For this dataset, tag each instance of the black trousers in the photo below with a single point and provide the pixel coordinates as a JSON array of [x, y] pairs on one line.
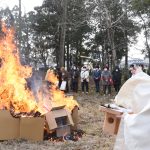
[[84, 85], [97, 86], [74, 85], [107, 88], [117, 87]]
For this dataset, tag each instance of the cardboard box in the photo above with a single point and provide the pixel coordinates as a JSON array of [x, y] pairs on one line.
[[63, 130], [29, 128], [9, 126], [60, 120], [112, 120], [32, 128]]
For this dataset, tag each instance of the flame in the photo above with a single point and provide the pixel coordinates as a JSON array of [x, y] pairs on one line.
[[51, 77], [58, 97], [13, 87]]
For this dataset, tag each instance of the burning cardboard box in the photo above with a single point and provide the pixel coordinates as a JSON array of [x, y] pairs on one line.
[[32, 128], [111, 120], [60, 120], [16, 96], [75, 117], [29, 128], [9, 126]]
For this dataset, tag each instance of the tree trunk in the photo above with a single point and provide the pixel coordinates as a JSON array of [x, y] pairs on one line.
[[76, 58], [110, 33], [146, 42], [103, 49], [126, 51], [68, 55], [63, 33], [27, 48], [57, 55], [44, 61], [70, 59], [20, 35], [148, 49], [114, 56], [57, 41], [126, 44], [78, 52]]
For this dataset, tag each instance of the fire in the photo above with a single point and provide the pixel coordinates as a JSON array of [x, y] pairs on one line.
[[12, 76], [58, 97], [14, 91], [51, 77]]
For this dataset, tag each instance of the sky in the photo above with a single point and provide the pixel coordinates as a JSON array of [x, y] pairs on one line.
[[135, 50], [28, 5]]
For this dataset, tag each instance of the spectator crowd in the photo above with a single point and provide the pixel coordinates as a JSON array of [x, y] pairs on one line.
[[104, 79]]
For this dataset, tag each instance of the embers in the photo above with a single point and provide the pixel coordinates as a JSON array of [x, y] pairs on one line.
[[73, 136], [32, 113]]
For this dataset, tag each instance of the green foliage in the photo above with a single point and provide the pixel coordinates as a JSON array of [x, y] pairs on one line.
[[86, 29], [121, 26], [141, 6]]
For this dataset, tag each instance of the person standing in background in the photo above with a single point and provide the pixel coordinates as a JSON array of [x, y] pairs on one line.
[[116, 77], [132, 69], [64, 77], [96, 78], [59, 76], [106, 80], [74, 74], [84, 79]]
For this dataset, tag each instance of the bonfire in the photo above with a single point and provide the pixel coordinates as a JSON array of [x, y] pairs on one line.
[[14, 93]]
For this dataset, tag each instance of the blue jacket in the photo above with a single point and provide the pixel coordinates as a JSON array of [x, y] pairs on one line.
[[96, 74]]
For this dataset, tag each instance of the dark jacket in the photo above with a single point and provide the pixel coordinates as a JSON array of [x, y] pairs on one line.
[[74, 74], [97, 74], [116, 76]]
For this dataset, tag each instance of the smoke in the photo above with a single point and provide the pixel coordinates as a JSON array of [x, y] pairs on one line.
[[34, 83]]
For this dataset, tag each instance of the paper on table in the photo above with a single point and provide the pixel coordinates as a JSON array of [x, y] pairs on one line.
[[118, 108]]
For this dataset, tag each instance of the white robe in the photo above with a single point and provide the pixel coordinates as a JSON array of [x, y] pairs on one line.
[[135, 128]]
